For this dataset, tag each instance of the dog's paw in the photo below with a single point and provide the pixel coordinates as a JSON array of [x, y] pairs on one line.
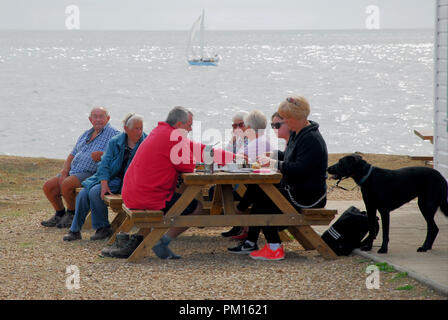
[[422, 249], [382, 250], [366, 248]]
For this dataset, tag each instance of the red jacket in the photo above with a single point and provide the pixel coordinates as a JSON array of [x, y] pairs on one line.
[[151, 178]]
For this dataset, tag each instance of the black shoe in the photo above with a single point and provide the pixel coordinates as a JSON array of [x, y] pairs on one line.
[[102, 233], [52, 222], [232, 232], [70, 236], [120, 241], [243, 248], [129, 247], [66, 220]]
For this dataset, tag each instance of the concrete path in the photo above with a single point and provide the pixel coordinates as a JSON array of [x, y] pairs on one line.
[[407, 233]]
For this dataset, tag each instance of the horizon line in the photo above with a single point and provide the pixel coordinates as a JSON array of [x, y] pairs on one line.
[[220, 30]]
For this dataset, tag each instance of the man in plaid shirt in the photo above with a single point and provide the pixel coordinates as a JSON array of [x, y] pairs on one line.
[[79, 165]]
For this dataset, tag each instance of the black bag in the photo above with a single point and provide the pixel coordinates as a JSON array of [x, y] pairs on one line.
[[348, 231]]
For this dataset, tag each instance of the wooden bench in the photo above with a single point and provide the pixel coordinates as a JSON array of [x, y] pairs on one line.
[[114, 202], [424, 134], [148, 220], [123, 221]]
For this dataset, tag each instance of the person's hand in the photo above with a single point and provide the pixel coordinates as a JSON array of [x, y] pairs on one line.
[[267, 162], [96, 156], [240, 158], [63, 175], [104, 189]]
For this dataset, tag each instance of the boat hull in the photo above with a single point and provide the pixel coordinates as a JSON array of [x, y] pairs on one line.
[[202, 63]]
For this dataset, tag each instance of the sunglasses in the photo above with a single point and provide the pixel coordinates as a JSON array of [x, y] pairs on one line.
[[236, 125], [276, 125]]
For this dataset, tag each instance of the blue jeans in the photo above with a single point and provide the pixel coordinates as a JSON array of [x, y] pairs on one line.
[[91, 201]]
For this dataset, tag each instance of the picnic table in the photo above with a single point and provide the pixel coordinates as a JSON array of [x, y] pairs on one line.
[[428, 135], [153, 225]]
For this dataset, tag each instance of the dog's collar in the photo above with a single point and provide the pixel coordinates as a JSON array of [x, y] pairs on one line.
[[366, 176]]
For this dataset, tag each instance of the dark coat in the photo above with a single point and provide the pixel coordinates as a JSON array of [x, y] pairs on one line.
[[304, 165]]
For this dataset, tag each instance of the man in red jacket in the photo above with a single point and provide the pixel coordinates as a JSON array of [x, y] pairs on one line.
[[151, 178]]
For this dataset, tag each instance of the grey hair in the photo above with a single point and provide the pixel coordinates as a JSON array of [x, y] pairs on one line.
[[101, 108], [256, 120], [177, 114], [130, 119], [240, 115]]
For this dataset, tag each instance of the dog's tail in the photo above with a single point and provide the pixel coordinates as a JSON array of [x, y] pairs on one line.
[[444, 204]]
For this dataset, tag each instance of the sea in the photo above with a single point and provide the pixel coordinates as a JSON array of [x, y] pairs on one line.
[[368, 89]]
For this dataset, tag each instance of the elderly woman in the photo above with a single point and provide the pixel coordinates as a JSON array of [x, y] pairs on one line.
[[238, 128], [303, 165], [255, 143], [107, 179]]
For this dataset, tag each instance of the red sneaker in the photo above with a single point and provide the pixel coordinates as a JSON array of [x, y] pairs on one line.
[[267, 254], [242, 236]]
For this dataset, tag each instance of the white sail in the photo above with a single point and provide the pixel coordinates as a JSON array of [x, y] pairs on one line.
[[202, 34], [191, 46]]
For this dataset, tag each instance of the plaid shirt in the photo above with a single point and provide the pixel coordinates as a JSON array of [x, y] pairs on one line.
[[82, 161]]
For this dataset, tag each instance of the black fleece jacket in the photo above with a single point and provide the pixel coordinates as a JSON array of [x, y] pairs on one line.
[[304, 164]]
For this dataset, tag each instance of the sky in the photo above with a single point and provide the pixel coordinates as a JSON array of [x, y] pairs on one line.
[[220, 15]]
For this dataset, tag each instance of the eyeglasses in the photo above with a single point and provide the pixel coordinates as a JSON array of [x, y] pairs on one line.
[[238, 125], [276, 125]]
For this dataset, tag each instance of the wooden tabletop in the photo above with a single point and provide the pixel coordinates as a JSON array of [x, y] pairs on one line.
[[202, 178]]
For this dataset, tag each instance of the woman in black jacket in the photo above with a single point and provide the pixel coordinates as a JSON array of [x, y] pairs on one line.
[[303, 165]]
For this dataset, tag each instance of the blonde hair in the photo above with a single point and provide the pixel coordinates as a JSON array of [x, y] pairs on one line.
[[296, 107]]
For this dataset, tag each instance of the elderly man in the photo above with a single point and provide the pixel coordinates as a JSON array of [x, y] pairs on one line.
[[151, 178], [79, 165]]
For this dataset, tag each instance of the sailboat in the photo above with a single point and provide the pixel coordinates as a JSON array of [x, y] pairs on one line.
[[201, 58]]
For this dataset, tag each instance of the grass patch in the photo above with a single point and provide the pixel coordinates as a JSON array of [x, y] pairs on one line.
[[383, 266], [400, 275], [25, 244], [407, 287], [14, 214], [363, 261]]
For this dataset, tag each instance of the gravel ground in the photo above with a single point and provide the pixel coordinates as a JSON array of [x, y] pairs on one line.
[[34, 259]]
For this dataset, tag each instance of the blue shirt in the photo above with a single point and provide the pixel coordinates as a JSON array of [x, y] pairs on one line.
[[82, 161], [112, 160]]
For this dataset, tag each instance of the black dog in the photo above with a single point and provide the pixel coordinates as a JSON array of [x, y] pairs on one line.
[[386, 190]]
